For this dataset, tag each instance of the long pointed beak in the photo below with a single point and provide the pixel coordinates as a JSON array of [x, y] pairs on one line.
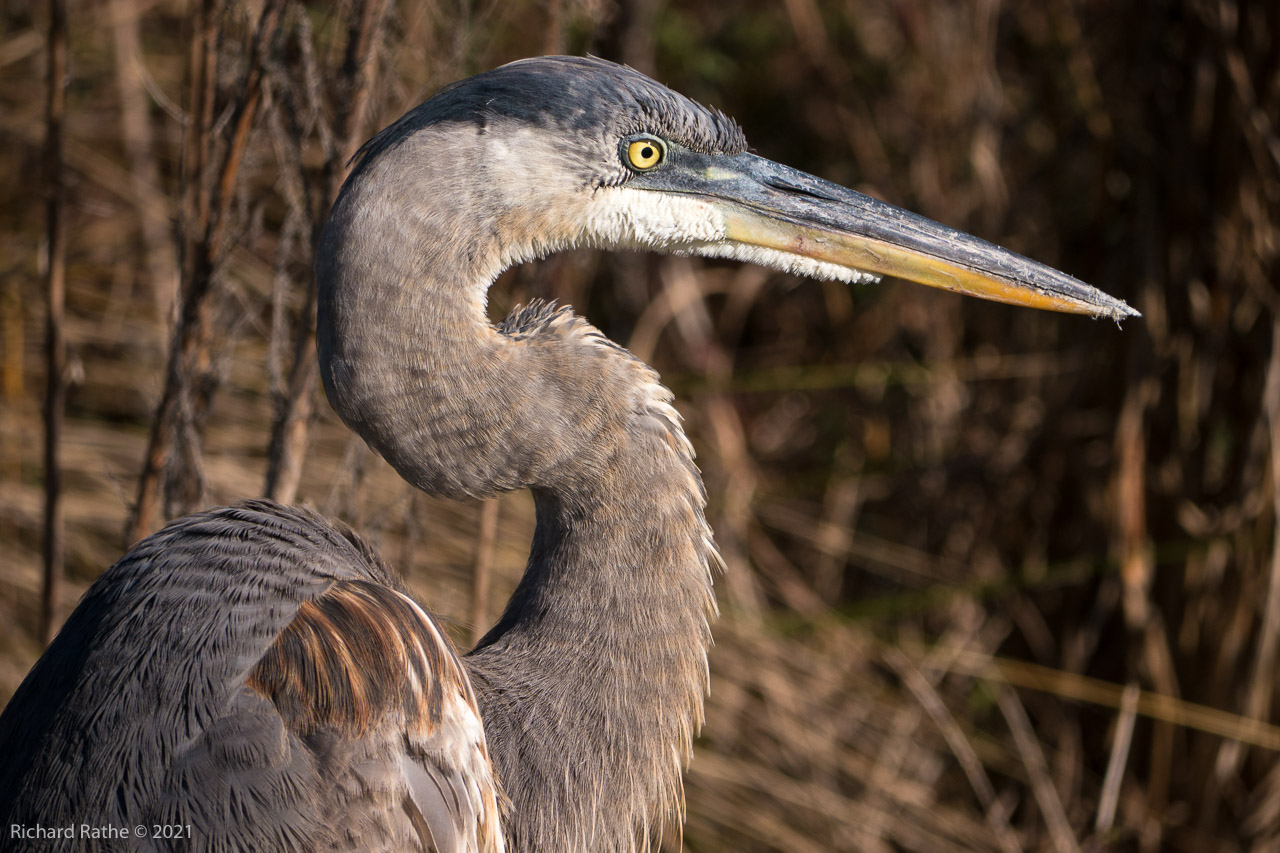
[[771, 206]]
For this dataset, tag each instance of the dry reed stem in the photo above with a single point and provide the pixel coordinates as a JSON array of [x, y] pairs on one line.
[[192, 288], [351, 97], [1046, 793], [1262, 676], [143, 174], [189, 382], [926, 694], [55, 335], [1155, 706], [1120, 743]]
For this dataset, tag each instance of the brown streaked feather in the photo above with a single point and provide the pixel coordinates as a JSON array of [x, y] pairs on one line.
[[345, 662], [363, 661]]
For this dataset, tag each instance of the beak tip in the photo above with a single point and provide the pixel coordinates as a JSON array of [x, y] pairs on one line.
[[1120, 311]]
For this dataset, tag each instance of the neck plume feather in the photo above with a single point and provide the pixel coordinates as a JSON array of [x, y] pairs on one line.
[[592, 682]]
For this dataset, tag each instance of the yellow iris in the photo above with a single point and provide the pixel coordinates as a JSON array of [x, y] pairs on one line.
[[644, 153]]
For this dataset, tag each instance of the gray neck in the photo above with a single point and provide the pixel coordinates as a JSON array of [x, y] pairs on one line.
[[592, 682]]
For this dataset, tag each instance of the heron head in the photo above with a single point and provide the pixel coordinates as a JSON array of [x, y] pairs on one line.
[[554, 152]]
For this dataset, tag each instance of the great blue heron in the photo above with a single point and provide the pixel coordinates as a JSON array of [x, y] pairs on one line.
[[254, 678]]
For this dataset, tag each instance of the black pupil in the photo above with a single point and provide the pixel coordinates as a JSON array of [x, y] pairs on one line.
[[646, 152]]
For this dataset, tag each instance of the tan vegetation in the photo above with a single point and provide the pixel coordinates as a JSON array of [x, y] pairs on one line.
[[998, 580]]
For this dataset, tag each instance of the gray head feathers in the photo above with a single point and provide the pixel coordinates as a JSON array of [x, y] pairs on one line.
[[578, 94]]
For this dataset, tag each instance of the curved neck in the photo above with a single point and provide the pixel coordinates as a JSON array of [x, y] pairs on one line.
[[592, 682], [591, 685]]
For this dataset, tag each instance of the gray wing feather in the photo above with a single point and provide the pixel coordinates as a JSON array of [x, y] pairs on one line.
[[145, 708]]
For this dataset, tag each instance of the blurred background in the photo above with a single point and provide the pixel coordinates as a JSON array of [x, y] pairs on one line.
[[998, 579]]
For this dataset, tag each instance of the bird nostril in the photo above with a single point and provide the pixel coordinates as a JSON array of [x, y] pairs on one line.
[[785, 186]]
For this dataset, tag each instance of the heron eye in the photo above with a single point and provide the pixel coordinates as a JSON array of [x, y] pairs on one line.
[[645, 153]]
